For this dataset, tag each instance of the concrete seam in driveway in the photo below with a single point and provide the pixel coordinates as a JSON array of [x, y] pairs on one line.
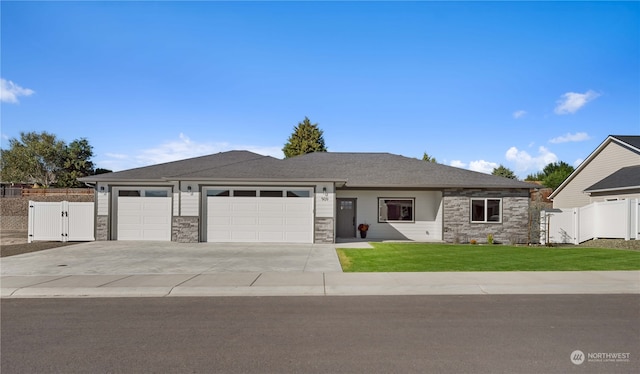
[[255, 280]]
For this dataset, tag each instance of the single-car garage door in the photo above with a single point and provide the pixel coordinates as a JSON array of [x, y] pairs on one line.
[[280, 215], [143, 214]]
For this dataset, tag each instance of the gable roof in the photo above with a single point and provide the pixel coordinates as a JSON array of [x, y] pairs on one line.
[[631, 142], [361, 170], [624, 179]]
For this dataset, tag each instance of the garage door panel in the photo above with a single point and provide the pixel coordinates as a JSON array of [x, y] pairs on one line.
[[278, 221], [244, 236], [266, 236], [220, 221], [155, 220], [244, 207], [296, 208], [129, 220], [274, 207], [244, 221]]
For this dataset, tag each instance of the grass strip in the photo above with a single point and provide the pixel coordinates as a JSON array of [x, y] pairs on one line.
[[433, 257]]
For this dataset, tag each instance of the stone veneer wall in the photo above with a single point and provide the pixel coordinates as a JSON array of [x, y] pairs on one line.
[[323, 230], [185, 229], [457, 218], [102, 228]]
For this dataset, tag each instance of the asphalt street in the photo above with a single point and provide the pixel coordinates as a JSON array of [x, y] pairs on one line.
[[355, 334]]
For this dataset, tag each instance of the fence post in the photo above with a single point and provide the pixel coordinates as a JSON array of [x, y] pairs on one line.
[[31, 217], [628, 220], [576, 226], [65, 220]]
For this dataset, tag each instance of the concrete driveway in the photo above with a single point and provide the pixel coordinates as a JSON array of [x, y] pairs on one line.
[[122, 257]]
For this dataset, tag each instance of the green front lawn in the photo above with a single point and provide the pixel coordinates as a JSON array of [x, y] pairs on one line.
[[402, 257]]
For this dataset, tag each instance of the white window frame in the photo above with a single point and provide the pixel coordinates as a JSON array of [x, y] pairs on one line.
[[381, 201], [258, 190], [486, 215]]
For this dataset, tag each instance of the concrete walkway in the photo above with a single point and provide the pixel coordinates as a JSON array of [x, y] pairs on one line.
[[136, 269]]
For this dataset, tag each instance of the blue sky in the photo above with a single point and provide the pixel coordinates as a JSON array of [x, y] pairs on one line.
[[473, 84]]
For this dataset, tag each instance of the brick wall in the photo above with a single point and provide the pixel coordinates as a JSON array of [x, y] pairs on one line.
[[457, 217], [15, 210]]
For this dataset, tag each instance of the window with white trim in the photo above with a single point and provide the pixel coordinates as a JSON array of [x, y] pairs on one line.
[[486, 210], [396, 209]]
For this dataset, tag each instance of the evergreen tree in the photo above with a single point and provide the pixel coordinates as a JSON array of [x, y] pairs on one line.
[[503, 171], [426, 157], [555, 173], [306, 138]]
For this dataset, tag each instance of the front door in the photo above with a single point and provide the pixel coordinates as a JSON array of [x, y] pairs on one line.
[[346, 218]]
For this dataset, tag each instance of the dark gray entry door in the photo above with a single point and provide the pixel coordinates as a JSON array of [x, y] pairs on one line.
[[346, 218]]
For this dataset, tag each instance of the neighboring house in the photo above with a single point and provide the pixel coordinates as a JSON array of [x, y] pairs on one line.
[[611, 172], [239, 196]]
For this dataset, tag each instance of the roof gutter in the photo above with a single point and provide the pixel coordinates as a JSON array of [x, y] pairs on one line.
[[612, 189]]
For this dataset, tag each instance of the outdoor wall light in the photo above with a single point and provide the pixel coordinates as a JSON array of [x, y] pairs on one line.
[[101, 188], [189, 188], [324, 191]]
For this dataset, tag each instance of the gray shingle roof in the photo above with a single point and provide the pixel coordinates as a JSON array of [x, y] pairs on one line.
[[175, 168], [625, 178], [390, 170], [633, 140], [362, 170]]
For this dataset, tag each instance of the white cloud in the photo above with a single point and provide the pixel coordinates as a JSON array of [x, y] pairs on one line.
[[577, 162], [483, 166], [458, 164], [525, 162], [519, 114], [577, 137], [178, 149], [571, 102], [10, 91]]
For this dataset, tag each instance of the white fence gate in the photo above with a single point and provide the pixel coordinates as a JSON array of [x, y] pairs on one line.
[[610, 219], [61, 221]]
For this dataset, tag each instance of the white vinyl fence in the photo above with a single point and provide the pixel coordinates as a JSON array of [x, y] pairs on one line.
[[610, 219], [61, 221]]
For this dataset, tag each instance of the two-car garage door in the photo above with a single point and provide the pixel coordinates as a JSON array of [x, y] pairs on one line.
[[259, 215]]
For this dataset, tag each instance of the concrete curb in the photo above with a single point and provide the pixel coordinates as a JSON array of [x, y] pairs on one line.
[[320, 284]]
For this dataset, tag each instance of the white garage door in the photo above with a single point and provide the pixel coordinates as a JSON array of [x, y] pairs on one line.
[[144, 215], [260, 215]]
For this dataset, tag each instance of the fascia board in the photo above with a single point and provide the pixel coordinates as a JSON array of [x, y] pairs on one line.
[[613, 189], [255, 180]]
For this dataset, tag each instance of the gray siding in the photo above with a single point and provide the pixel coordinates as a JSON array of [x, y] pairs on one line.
[[457, 217]]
